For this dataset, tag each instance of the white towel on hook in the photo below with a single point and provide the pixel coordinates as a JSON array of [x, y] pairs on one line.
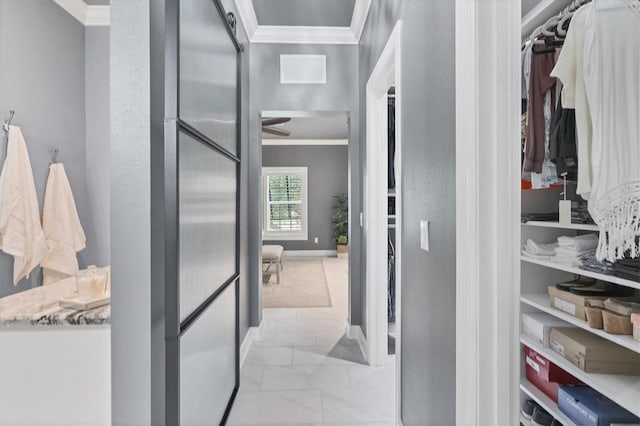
[[21, 233], [62, 227]]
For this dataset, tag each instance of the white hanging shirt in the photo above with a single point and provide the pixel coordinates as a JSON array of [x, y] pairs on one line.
[[569, 69], [612, 81]]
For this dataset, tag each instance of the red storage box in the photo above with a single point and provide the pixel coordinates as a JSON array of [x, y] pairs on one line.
[[545, 375]]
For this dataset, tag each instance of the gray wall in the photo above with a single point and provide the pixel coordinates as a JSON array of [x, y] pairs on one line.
[[42, 77], [131, 300], [327, 177], [98, 226], [339, 94], [428, 157]]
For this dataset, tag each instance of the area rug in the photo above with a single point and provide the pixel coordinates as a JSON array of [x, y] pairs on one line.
[[303, 284]]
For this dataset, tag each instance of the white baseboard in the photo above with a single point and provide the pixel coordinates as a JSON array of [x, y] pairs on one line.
[[245, 347], [355, 332], [253, 334], [309, 253]]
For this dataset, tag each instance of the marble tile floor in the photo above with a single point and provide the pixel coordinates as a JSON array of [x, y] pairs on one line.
[[305, 371]]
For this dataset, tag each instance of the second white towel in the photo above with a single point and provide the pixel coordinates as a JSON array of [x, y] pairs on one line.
[[61, 226]]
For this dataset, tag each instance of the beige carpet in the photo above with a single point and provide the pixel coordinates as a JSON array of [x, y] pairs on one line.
[[303, 284]]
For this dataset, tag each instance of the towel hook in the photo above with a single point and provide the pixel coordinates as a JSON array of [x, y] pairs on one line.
[[54, 159], [5, 125]]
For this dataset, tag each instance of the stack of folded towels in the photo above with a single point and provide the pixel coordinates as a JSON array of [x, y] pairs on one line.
[[567, 250], [571, 249], [539, 250]]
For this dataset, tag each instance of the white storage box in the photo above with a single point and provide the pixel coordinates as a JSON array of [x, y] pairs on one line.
[[538, 325]]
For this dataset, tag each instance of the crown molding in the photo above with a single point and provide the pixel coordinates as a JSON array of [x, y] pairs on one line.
[[303, 35], [87, 15], [247, 16], [290, 34], [359, 18], [305, 142]]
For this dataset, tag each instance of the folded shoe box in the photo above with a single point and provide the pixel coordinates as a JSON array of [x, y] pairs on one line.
[[545, 375], [538, 326], [570, 303], [586, 407], [592, 353]]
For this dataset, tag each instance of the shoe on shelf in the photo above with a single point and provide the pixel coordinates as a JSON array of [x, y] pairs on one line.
[[528, 407], [541, 417], [556, 423]]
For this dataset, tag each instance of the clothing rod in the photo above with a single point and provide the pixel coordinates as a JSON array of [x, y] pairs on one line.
[[575, 5]]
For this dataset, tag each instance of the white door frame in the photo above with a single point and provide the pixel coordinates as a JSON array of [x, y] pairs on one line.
[[487, 211], [386, 73]]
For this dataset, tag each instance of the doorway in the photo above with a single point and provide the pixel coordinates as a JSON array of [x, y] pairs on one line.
[[304, 212], [383, 201], [304, 363]]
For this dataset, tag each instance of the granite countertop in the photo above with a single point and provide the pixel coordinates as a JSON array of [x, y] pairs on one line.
[[39, 307]]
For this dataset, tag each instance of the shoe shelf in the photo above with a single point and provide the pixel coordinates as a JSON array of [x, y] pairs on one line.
[[624, 390], [575, 270], [574, 226], [541, 302], [544, 401]]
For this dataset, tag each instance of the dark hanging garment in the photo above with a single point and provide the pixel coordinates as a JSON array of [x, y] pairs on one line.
[[562, 142], [391, 281], [542, 62], [391, 132]]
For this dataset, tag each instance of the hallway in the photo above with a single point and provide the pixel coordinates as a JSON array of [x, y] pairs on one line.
[[306, 371]]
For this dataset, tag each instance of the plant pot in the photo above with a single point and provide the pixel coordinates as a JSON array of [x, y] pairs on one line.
[[342, 250]]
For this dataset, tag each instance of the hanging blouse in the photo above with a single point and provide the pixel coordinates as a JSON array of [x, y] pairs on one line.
[[542, 62], [569, 70], [612, 81]]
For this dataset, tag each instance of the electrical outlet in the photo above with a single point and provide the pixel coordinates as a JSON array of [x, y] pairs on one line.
[[315, 240]]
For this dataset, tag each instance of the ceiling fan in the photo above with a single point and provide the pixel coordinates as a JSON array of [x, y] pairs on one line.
[[267, 124]]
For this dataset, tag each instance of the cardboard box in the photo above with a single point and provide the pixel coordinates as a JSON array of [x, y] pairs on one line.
[[538, 326], [635, 320], [569, 303], [592, 353], [587, 407], [545, 375]]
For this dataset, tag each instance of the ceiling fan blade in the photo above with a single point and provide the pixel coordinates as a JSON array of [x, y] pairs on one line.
[[274, 121], [277, 132]]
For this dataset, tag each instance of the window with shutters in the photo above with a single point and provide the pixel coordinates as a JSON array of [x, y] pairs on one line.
[[284, 195]]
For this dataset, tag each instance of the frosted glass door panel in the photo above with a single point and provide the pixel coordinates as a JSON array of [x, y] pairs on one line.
[[208, 73], [207, 222], [208, 363]]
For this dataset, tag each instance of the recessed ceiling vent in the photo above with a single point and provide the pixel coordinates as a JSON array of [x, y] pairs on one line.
[[303, 69]]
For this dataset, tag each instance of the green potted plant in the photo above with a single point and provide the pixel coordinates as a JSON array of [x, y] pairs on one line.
[[340, 220]]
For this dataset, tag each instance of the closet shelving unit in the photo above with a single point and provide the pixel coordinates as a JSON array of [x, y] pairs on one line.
[[536, 276]]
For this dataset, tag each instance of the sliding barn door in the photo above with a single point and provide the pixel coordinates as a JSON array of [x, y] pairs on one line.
[[202, 156]]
